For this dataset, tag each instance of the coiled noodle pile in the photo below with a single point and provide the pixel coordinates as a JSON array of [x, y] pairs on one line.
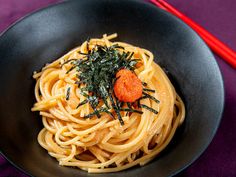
[[100, 145]]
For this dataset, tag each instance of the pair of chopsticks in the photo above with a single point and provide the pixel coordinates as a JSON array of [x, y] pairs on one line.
[[215, 44]]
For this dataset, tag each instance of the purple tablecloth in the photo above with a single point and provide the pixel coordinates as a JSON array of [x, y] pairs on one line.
[[217, 16]]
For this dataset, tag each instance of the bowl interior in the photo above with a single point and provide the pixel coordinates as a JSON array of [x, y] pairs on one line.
[[50, 33]]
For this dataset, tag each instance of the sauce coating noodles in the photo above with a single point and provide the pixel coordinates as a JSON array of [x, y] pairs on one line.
[[100, 145]]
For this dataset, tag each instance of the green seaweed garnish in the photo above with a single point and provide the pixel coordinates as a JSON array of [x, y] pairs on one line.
[[68, 93], [96, 73]]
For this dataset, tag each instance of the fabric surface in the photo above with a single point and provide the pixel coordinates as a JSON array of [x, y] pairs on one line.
[[218, 17]]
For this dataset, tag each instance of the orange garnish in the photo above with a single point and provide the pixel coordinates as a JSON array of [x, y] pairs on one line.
[[128, 87]]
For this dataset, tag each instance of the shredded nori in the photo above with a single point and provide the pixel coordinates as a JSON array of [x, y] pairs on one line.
[[151, 97], [82, 103], [96, 75], [68, 93], [149, 90], [149, 108], [144, 84]]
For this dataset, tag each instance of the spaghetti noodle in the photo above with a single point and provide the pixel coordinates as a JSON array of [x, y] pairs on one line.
[[100, 142]]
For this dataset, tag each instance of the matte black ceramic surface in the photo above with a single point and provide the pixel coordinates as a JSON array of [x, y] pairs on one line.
[[50, 33]]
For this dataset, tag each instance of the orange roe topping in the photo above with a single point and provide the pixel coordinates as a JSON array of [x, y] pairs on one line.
[[128, 87]]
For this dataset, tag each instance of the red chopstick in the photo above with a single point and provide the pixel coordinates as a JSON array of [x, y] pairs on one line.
[[216, 45]]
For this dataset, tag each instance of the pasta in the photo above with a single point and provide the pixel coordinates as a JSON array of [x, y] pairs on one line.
[[102, 142]]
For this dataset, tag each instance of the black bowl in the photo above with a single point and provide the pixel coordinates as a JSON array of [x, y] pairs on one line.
[[49, 33]]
